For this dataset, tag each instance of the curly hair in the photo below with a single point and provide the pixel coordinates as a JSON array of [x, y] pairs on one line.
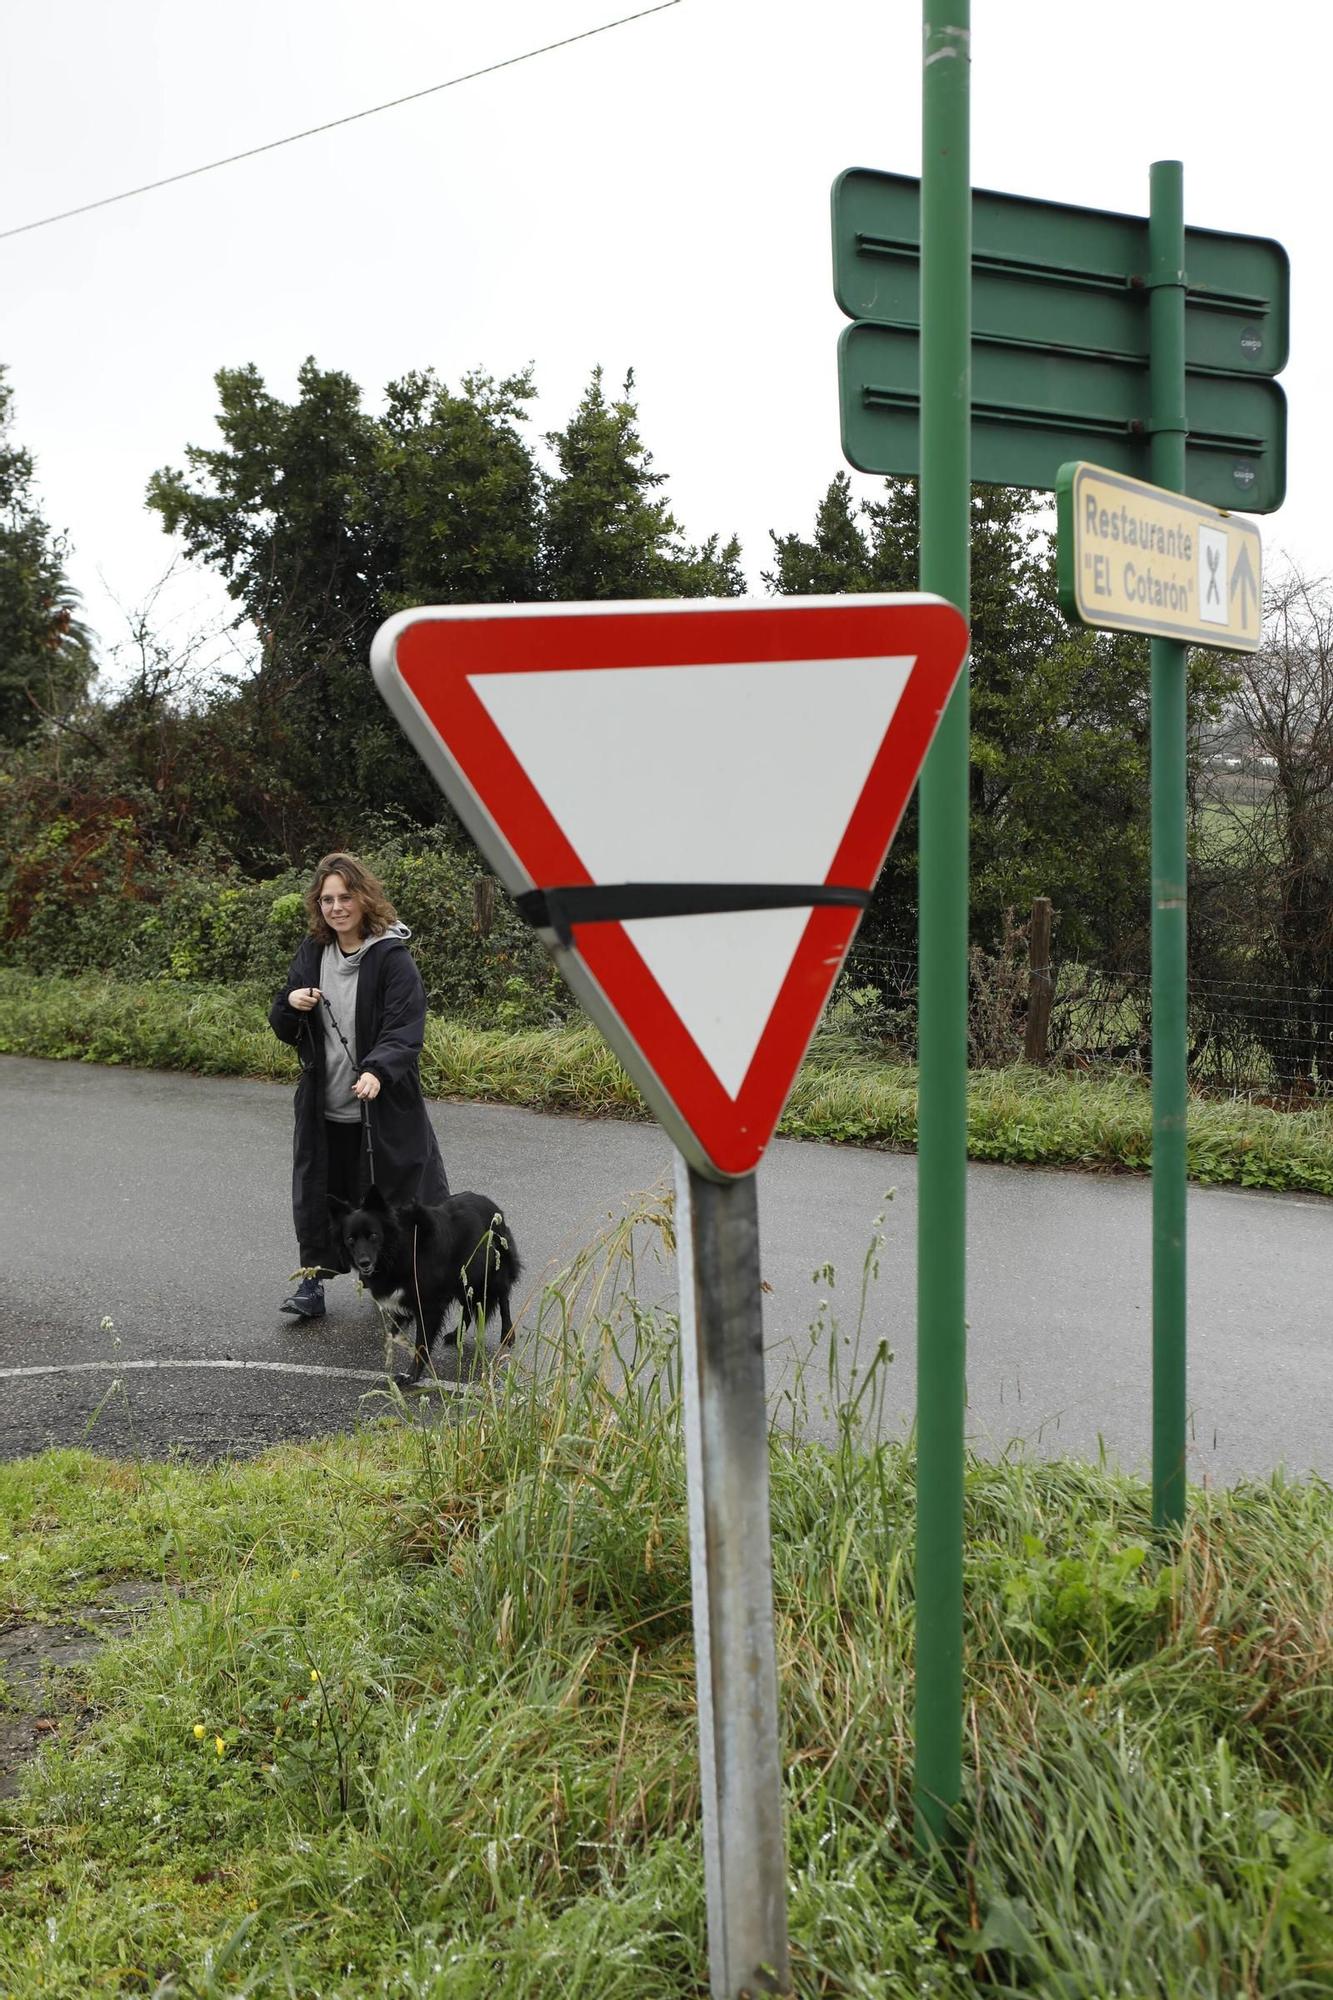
[[377, 911]]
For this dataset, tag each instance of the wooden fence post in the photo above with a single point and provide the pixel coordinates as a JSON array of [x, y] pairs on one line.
[[1041, 982]]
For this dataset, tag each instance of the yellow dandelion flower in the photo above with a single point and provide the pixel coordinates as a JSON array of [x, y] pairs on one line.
[[200, 1731], [314, 1673], [219, 1745], [296, 1576]]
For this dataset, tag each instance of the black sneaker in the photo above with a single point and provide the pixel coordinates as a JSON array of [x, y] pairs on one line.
[[307, 1301]]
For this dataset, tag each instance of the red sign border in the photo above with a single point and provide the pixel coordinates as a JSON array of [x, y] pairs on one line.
[[433, 654]]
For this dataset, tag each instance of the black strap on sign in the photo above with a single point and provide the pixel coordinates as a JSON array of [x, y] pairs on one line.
[[559, 910]]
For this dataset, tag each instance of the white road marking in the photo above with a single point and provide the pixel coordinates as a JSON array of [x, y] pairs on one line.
[[274, 1367]]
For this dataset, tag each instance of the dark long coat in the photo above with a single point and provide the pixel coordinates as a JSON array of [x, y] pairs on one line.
[[390, 1024]]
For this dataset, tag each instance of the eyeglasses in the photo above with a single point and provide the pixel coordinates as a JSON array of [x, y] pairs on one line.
[[336, 902]]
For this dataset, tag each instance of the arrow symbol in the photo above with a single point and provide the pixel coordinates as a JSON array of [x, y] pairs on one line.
[[1243, 577]]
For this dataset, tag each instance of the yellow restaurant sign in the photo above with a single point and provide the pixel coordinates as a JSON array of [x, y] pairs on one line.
[[1134, 558]]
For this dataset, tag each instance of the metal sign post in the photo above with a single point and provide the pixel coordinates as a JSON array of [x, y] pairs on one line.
[[1135, 557], [942, 1012], [1170, 946], [731, 1572]]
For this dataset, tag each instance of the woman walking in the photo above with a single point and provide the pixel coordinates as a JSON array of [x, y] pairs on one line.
[[355, 1010]]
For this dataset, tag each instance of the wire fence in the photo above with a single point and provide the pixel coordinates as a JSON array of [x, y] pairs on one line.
[[1247, 1036]]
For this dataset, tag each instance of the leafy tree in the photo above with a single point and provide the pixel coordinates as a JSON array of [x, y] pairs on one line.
[[607, 532], [1059, 779], [457, 495], [323, 520], [45, 661], [840, 555], [283, 510]]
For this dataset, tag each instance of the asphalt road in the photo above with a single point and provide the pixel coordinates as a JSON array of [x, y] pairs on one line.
[[147, 1243]]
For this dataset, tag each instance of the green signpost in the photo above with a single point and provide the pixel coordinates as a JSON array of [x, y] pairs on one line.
[[1170, 948], [997, 339], [943, 844]]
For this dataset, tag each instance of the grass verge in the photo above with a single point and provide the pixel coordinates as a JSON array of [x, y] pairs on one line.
[[415, 1716], [1036, 1117]]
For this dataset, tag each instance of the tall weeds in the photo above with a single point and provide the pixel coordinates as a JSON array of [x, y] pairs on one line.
[[421, 1719]]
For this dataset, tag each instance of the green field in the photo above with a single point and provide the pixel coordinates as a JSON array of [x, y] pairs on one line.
[[1234, 815]]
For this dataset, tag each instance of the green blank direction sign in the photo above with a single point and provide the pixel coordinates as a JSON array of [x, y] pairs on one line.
[[1052, 276], [1033, 412]]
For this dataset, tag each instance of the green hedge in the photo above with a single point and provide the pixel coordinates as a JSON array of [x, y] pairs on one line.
[[91, 915]]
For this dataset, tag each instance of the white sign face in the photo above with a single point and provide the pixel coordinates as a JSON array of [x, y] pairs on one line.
[[604, 748], [1214, 575]]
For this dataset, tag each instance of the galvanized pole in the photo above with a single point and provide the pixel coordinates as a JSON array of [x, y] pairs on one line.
[[731, 1567], [946, 394], [1170, 947]]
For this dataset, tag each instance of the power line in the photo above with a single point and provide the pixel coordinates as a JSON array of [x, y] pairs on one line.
[[509, 62]]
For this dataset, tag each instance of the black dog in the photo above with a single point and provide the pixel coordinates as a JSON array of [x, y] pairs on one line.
[[462, 1253]]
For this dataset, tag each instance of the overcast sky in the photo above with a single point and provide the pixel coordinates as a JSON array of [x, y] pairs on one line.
[[655, 198]]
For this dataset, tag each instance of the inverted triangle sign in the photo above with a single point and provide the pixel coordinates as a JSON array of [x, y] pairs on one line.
[[729, 756]]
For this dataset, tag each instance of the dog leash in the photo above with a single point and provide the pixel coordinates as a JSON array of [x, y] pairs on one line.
[[365, 1108]]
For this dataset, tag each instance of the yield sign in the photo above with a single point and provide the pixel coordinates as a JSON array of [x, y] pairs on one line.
[[692, 803]]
